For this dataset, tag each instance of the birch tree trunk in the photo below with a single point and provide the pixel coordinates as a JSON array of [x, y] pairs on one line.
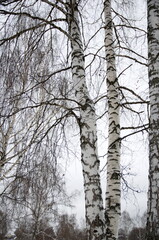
[[153, 72], [88, 136], [113, 155]]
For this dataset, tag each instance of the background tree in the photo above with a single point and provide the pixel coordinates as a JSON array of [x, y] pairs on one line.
[[25, 231], [137, 233], [32, 178], [121, 234], [132, 228], [68, 229], [38, 189], [126, 223]]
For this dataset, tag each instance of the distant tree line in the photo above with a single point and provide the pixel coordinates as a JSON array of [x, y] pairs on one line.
[[67, 228], [132, 228]]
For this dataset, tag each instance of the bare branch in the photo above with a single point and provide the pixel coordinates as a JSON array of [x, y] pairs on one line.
[[4, 12], [132, 92]]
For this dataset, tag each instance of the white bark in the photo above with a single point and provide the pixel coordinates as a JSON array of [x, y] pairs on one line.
[[113, 157], [153, 70], [88, 135]]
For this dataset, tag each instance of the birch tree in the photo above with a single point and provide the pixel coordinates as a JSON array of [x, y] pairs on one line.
[[27, 82], [153, 72], [88, 136], [113, 156]]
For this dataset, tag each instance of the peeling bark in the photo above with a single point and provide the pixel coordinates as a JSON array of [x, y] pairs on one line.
[[89, 157], [113, 156], [153, 72]]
